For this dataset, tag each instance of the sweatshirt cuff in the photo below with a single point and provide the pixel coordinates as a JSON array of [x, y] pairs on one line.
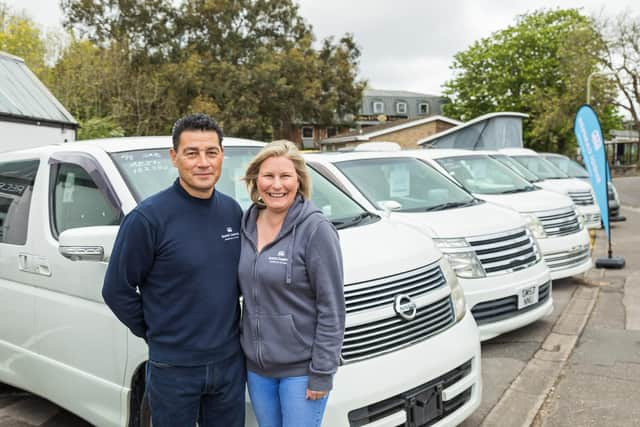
[[320, 382]]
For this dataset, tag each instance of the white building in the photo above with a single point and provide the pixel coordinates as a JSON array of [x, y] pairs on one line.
[[30, 115]]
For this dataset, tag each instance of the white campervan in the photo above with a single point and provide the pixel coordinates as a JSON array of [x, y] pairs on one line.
[[552, 217], [575, 170], [60, 207], [551, 178], [491, 249]]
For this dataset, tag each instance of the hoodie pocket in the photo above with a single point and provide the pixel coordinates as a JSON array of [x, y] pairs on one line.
[[248, 336], [281, 342]]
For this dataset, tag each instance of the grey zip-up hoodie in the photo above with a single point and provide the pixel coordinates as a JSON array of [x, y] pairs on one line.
[[293, 297]]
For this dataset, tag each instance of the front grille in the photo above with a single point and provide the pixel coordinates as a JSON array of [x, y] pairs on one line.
[[559, 222], [592, 219], [407, 401], [390, 334], [582, 198], [563, 260], [504, 308], [381, 292], [505, 252]]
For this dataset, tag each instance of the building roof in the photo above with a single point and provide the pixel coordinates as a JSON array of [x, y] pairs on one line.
[[23, 97], [385, 128], [398, 93], [470, 123]]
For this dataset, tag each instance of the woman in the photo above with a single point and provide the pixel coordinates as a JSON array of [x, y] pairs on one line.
[[292, 284]]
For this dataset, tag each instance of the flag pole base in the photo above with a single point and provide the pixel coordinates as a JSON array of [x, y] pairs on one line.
[[616, 262]]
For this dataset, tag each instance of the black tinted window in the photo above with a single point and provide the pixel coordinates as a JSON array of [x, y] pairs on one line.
[[16, 186]]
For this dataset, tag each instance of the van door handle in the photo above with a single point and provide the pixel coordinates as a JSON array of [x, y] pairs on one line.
[[34, 264]]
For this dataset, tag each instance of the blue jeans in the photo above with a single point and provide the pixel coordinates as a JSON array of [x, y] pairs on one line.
[[212, 394], [281, 402]]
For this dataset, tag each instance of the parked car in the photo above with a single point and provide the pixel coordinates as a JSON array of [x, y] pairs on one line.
[[551, 178], [552, 217], [576, 170], [490, 248], [60, 207]]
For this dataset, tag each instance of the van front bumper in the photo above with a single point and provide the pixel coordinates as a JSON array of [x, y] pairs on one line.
[[567, 256], [495, 301], [389, 377]]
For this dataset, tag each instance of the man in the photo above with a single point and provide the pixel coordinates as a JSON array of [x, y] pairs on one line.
[[180, 249]]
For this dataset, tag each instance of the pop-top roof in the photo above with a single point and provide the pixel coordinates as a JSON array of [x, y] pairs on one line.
[[24, 97]]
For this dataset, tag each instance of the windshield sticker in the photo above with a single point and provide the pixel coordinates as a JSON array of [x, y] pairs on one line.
[[399, 182]]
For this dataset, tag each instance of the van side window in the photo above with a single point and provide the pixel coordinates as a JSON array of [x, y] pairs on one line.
[[78, 202], [16, 186]]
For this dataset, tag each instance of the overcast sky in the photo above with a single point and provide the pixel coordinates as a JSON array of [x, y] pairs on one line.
[[405, 44]]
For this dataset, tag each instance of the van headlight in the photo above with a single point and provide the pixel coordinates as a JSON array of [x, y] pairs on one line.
[[535, 226], [461, 257], [581, 220], [457, 294]]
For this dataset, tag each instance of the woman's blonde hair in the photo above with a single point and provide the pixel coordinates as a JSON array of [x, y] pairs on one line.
[[277, 149]]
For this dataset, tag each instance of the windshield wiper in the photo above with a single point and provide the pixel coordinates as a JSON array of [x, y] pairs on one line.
[[513, 190], [449, 205], [340, 224]]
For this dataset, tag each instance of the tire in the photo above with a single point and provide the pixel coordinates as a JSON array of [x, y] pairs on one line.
[[139, 404], [145, 413]]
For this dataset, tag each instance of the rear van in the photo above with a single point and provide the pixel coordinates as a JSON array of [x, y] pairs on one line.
[[552, 217]]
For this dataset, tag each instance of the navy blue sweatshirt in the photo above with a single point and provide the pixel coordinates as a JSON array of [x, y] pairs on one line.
[[181, 253]]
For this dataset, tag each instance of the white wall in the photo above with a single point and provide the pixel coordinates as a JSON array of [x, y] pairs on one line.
[[18, 136]]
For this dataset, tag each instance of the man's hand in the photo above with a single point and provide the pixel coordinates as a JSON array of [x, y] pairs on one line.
[[315, 395]]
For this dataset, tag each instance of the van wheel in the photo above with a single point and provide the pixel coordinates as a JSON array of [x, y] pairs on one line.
[[140, 414], [145, 413]]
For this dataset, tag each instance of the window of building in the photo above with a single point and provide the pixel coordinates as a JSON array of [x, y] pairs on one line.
[[423, 108], [16, 186], [378, 107], [78, 202], [307, 132], [331, 132], [401, 108]]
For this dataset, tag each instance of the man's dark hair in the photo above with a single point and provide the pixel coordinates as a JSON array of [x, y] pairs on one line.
[[197, 121]]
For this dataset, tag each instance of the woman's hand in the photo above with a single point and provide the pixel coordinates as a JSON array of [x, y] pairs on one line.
[[315, 395]]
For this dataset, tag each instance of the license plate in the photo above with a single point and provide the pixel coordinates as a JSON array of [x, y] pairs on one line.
[[424, 405], [527, 296]]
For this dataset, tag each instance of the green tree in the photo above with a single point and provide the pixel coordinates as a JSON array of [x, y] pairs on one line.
[[251, 63], [102, 127], [20, 36], [621, 61], [538, 66]]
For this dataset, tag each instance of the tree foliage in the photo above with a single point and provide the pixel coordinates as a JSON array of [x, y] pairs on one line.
[[621, 61], [538, 66], [19, 36], [250, 63]]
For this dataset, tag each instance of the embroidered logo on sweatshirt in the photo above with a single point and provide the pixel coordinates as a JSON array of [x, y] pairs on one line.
[[230, 235], [280, 258]]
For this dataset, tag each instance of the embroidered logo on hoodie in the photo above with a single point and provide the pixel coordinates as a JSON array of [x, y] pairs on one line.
[[280, 258], [230, 235]]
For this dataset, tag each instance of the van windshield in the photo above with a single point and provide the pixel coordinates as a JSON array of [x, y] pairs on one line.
[[540, 167], [149, 171], [568, 166], [405, 183], [484, 175], [516, 167]]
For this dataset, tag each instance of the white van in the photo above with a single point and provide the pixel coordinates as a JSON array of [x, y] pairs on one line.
[[552, 217], [60, 207], [551, 178], [491, 249], [574, 170]]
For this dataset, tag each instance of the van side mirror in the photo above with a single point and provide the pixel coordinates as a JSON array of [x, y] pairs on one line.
[[388, 206], [88, 243]]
